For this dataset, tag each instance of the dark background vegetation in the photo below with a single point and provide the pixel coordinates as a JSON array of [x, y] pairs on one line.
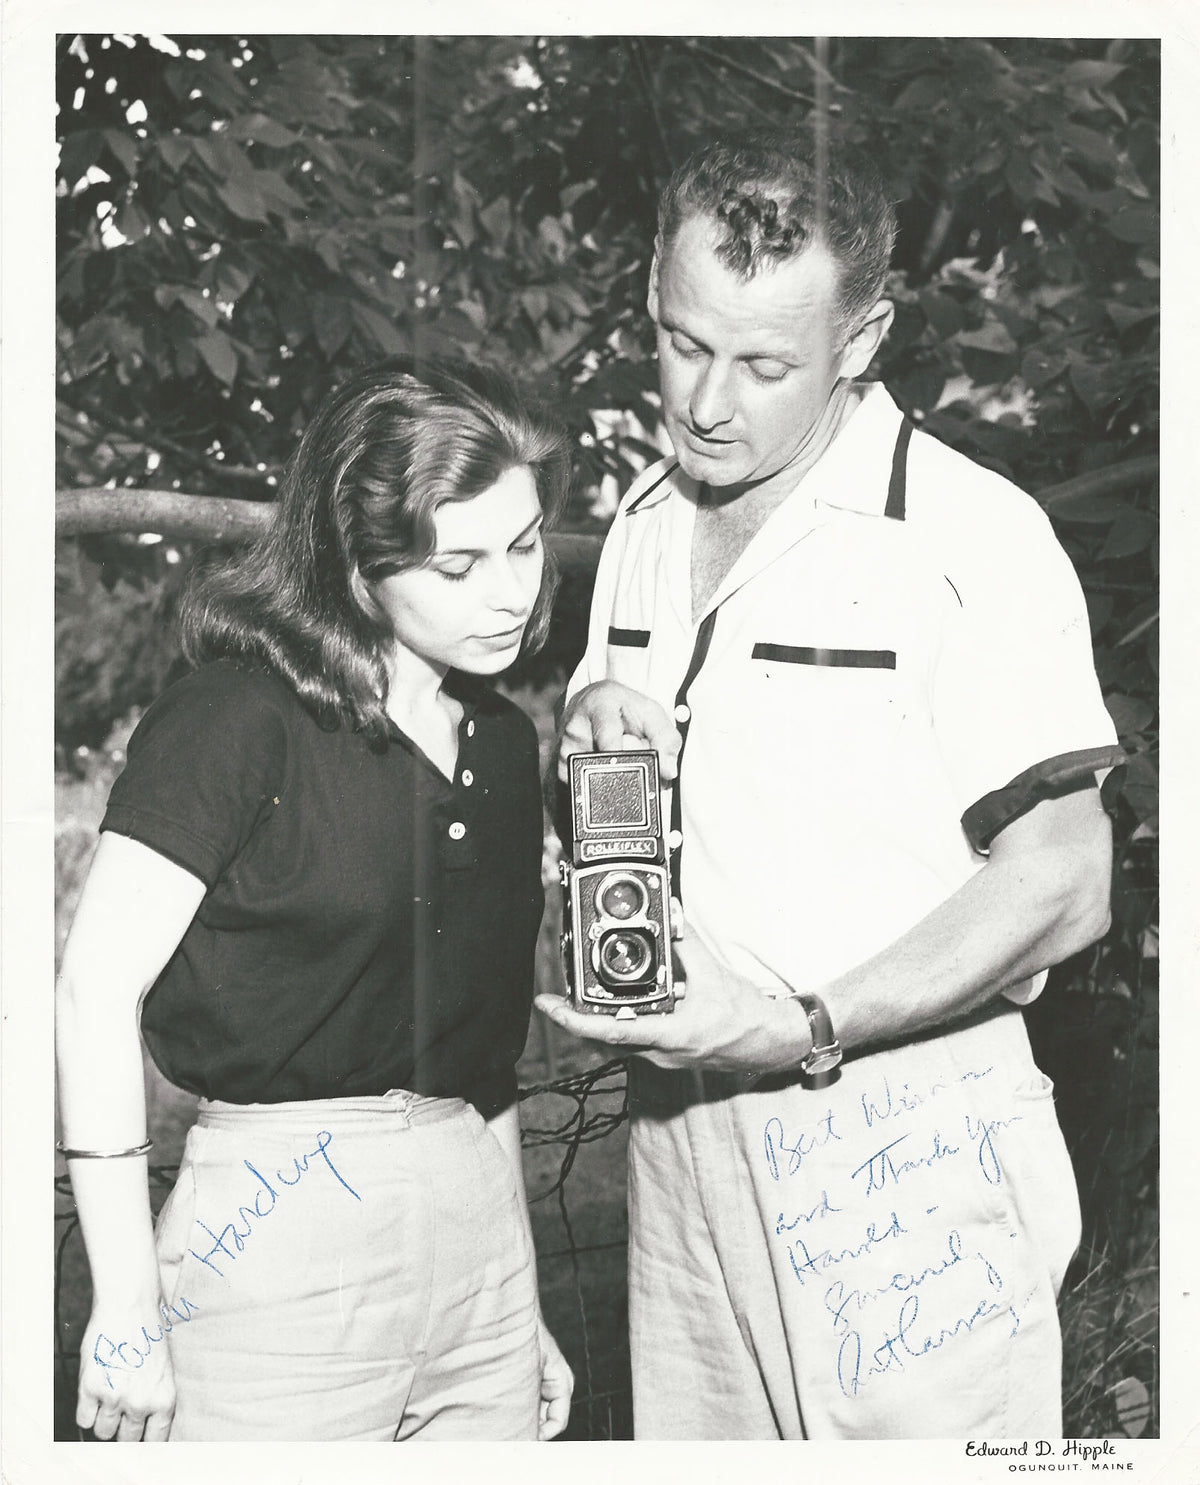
[[242, 220]]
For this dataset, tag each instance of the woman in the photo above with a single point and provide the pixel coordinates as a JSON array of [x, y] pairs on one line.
[[318, 886]]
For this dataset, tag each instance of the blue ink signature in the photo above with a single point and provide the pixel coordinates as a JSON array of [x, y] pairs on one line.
[[116, 1349], [839, 1298], [245, 1213], [896, 1349], [805, 1144], [881, 1168], [989, 1161], [823, 1207], [891, 1103], [826, 1258]]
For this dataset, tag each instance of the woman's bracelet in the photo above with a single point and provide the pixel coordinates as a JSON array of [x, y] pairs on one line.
[[104, 1154]]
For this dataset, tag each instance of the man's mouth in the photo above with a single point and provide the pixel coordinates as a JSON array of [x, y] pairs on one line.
[[706, 440]]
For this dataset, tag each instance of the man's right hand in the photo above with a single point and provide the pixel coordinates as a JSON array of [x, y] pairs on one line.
[[607, 717]]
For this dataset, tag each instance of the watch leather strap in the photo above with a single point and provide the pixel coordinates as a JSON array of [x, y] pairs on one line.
[[821, 1061]]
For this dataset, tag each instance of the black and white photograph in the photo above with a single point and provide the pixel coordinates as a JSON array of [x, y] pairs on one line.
[[590, 709]]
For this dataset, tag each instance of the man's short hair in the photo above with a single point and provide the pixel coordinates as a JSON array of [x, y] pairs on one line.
[[764, 193]]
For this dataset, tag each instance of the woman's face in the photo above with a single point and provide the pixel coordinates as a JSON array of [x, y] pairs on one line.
[[467, 607]]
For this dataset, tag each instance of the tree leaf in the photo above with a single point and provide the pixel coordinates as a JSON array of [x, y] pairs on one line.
[[1088, 74], [218, 355], [331, 322], [1138, 224], [1094, 147], [1139, 785], [1088, 508], [380, 330], [1131, 532], [1038, 367], [1125, 316], [259, 129], [242, 199], [1130, 714], [175, 150], [124, 148], [942, 311], [991, 336]]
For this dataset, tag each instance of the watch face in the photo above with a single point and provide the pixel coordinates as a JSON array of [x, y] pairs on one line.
[[822, 1060]]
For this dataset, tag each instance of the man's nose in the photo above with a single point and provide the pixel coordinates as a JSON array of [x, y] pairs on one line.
[[711, 401]]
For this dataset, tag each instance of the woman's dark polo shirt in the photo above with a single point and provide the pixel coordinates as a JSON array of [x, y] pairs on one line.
[[368, 925]]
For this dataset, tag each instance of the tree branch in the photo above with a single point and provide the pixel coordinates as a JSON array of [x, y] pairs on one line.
[[98, 430], [641, 71], [1110, 481], [212, 518], [700, 50]]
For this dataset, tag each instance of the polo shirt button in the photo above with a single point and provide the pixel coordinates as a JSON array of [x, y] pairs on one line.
[[683, 713], [471, 729], [468, 777], [675, 839], [457, 830]]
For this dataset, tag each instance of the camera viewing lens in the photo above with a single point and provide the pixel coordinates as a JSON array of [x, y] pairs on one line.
[[621, 897], [626, 957]]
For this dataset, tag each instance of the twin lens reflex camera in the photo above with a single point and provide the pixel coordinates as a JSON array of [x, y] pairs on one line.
[[616, 941]]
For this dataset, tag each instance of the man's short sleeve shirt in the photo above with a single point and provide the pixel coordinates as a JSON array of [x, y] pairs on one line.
[[875, 690]]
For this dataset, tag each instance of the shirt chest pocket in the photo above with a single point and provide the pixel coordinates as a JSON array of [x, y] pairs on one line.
[[628, 655], [833, 708]]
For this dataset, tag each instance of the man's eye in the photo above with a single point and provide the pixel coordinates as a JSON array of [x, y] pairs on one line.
[[685, 348], [768, 371]]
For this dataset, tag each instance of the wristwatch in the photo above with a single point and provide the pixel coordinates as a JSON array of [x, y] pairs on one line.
[[826, 1051]]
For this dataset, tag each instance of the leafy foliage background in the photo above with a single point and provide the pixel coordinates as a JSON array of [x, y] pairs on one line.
[[242, 220]]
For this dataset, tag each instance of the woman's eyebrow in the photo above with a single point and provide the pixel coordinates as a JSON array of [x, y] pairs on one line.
[[483, 551]]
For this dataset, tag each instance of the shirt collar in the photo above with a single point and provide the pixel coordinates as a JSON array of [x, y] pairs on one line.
[[855, 471], [852, 474]]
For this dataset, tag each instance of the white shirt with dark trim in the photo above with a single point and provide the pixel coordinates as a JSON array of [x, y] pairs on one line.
[[879, 696]]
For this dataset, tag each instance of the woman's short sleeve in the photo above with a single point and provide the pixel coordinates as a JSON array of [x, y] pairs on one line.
[[204, 764]]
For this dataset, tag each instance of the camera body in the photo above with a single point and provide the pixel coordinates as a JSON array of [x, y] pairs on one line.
[[616, 942]]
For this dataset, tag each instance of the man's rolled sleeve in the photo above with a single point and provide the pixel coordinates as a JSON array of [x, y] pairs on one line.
[[1017, 707]]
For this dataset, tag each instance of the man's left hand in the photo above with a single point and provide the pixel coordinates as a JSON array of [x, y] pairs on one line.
[[722, 1023]]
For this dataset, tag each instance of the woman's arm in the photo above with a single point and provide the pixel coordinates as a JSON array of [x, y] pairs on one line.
[[557, 1378], [135, 907]]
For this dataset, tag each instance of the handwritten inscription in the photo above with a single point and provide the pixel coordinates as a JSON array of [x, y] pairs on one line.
[[115, 1358], [897, 1225], [238, 1231]]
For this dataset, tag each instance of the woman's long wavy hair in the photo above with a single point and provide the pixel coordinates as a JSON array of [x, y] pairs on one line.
[[357, 504]]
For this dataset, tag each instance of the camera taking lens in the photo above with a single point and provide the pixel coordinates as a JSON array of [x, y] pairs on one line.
[[626, 957]]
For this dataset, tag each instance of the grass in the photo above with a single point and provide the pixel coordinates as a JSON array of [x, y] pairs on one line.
[[1110, 1304]]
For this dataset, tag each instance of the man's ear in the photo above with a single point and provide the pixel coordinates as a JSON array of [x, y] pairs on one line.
[[866, 340], [652, 291]]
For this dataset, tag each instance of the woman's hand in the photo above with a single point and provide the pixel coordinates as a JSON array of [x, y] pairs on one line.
[[558, 1383], [126, 1381]]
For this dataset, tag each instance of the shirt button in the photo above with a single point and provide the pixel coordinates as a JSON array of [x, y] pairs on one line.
[[675, 839], [457, 830], [683, 713], [468, 777], [471, 729]]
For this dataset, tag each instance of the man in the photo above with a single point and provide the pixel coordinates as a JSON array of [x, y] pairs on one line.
[[865, 662]]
